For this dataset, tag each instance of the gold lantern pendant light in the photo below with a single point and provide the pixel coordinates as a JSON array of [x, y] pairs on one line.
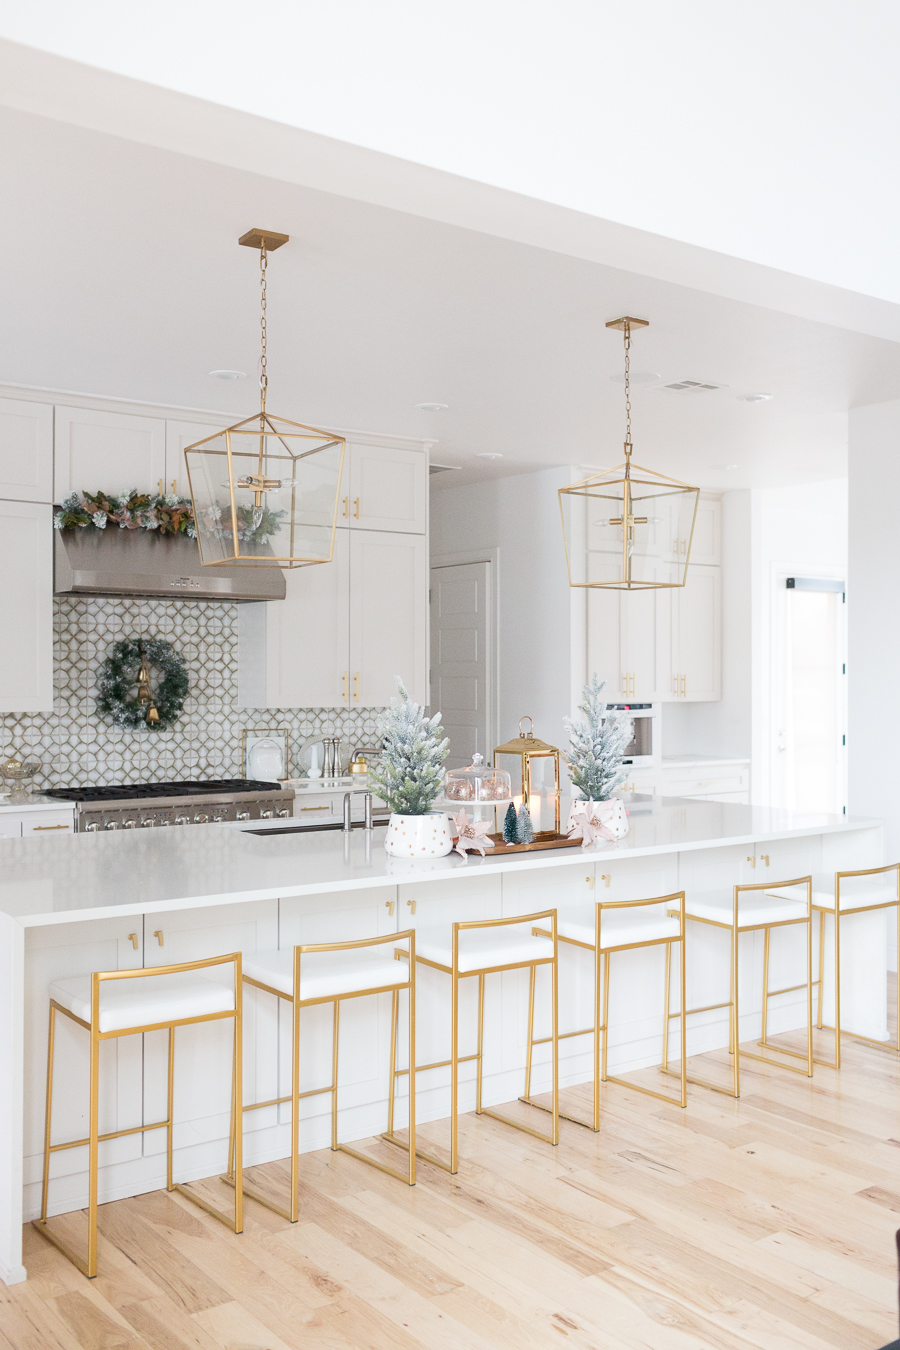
[[265, 491], [628, 528]]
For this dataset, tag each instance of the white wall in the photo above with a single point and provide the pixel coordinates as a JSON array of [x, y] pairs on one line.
[[873, 737], [519, 516], [739, 128]]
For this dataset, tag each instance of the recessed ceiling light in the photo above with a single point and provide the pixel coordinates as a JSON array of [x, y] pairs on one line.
[[228, 374], [489, 454], [638, 377], [755, 398], [432, 407]]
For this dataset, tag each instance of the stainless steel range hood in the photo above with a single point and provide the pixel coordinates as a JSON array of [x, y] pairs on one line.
[[144, 562]]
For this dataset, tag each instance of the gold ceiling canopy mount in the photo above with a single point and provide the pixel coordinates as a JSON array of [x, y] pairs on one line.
[[256, 238], [624, 325]]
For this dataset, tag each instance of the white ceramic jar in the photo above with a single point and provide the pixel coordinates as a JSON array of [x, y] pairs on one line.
[[426, 836]]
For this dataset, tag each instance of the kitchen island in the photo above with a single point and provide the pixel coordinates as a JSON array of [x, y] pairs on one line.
[[73, 904]]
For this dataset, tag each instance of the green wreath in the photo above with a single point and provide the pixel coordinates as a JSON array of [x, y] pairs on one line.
[[120, 675]]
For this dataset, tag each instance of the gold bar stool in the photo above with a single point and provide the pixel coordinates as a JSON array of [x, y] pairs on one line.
[[155, 999], [750, 913], [617, 927], [313, 973], [489, 950], [839, 907]]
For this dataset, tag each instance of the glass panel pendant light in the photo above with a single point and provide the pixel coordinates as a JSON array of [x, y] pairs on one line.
[[265, 492], [628, 528]]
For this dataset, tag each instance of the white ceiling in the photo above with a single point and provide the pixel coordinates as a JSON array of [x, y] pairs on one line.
[[121, 276]]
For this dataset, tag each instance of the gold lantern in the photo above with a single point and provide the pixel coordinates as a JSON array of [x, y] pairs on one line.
[[527, 748], [265, 491], [628, 528]]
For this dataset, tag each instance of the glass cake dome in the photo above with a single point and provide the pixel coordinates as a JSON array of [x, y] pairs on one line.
[[478, 783]]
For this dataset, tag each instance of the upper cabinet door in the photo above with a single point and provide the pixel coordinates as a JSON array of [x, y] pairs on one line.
[[644, 635], [26, 451], [605, 656], [26, 607], [706, 545], [697, 637], [386, 490], [388, 617], [108, 451], [308, 645], [179, 435]]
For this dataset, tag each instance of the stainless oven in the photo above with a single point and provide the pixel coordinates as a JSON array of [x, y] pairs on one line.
[[644, 746]]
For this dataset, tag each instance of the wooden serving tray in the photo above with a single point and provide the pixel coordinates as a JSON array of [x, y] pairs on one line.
[[542, 839]]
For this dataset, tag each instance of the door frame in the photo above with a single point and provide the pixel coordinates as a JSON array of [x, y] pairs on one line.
[[492, 625]]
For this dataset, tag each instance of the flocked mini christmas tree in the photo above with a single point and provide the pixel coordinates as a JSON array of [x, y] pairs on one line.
[[409, 776], [524, 827], [597, 745], [510, 826]]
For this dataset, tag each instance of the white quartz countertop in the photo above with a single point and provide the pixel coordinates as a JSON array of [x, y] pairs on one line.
[[88, 876], [35, 804], [700, 761]]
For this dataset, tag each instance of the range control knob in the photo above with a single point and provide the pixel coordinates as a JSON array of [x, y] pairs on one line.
[[266, 815], [284, 815], [130, 824], [148, 823], [243, 815], [94, 825], [111, 825], [182, 820], [201, 819]]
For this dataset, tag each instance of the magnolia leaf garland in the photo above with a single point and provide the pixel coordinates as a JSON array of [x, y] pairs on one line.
[[117, 682], [168, 514]]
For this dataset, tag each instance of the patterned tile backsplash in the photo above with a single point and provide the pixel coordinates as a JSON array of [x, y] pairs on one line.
[[76, 747]]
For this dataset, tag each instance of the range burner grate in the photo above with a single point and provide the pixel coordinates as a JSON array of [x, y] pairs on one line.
[[136, 791]]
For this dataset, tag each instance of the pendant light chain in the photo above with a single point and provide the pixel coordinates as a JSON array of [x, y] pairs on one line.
[[263, 371], [627, 337]]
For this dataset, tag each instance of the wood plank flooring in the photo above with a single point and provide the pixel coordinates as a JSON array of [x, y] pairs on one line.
[[765, 1222]]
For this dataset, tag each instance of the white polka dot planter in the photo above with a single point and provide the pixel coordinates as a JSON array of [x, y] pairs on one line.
[[419, 836]]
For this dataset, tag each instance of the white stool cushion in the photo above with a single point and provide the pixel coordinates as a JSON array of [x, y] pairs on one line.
[[754, 907], [327, 974], [855, 899], [484, 947], [619, 928], [145, 1001]]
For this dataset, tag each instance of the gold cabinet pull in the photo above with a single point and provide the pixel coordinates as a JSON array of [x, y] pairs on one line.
[[764, 857], [49, 827], [159, 484], [752, 862], [158, 934], [590, 882], [605, 879], [684, 686], [344, 678], [356, 686], [389, 906], [412, 906], [133, 939], [315, 808], [356, 508], [346, 511]]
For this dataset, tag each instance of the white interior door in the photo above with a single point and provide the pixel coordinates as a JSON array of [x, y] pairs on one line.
[[461, 672], [388, 616], [809, 758]]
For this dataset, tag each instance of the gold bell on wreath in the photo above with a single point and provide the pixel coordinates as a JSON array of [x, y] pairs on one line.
[[527, 748]]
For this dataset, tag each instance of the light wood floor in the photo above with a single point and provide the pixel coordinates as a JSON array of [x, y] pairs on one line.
[[766, 1222]]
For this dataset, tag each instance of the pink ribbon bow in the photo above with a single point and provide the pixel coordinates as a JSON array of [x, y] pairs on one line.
[[472, 835]]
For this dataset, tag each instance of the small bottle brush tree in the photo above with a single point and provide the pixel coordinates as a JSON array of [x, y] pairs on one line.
[[597, 745], [510, 826], [409, 777], [524, 827]]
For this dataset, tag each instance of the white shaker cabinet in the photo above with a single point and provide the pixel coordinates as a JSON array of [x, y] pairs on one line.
[[108, 451], [388, 617], [344, 629], [178, 436], [26, 450], [696, 638], [627, 642], [26, 607], [384, 489]]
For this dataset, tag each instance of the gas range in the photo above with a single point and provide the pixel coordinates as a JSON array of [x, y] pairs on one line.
[[132, 806]]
